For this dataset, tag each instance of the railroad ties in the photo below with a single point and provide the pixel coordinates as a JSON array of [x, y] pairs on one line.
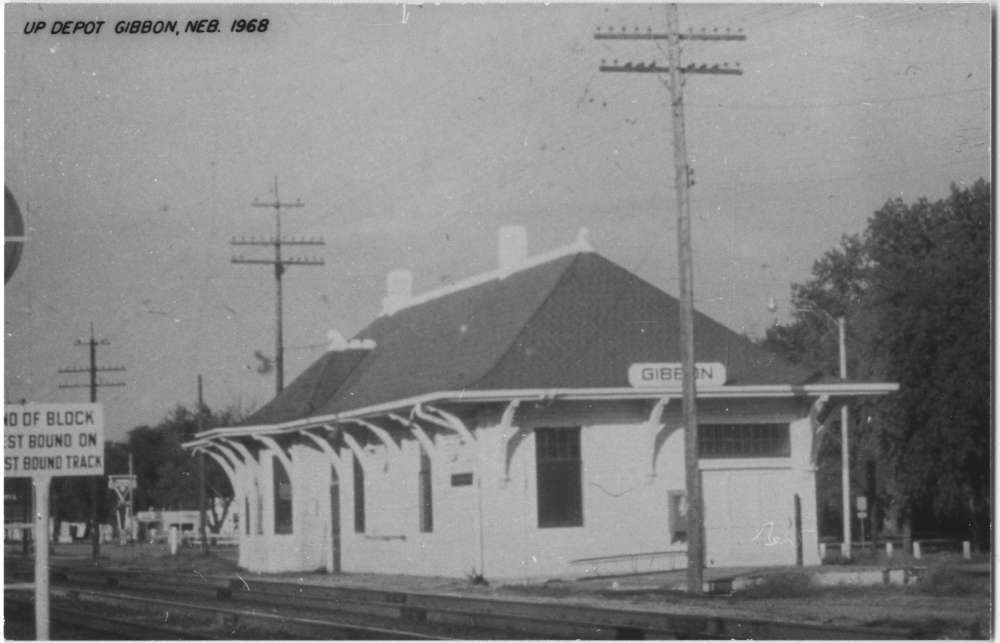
[[254, 607]]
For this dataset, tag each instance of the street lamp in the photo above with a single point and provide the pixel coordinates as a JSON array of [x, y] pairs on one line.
[[845, 456]]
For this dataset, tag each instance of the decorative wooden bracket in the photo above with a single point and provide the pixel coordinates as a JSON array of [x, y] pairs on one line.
[[249, 461], [445, 420], [380, 433], [363, 458], [510, 438], [278, 451], [418, 432], [656, 430], [223, 463], [325, 446], [819, 413]]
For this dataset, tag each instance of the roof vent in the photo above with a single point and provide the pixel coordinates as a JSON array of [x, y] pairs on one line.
[[339, 344], [399, 290], [512, 248]]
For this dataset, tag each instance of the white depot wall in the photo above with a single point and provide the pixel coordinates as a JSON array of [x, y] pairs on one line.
[[625, 507], [392, 541], [487, 522]]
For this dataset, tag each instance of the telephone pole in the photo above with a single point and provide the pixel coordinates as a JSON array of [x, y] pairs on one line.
[[93, 370], [279, 263], [672, 76], [201, 473]]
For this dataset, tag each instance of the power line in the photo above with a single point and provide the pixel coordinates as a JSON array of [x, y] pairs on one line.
[[852, 103], [279, 263]]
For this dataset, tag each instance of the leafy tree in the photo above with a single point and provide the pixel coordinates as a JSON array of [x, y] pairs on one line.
[[914, 290], [168, 474]]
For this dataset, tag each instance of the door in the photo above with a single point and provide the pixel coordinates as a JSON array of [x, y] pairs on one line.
[[335, 520]]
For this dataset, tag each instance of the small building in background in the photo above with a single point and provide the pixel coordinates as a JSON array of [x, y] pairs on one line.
[[525, 424], [154, 525]]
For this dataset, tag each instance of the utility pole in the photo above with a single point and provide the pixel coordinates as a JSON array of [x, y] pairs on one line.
[[93, 370], [671, 75], [201, 474], [279, 264], [845, 452]]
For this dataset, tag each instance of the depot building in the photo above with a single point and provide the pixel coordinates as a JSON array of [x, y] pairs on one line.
[[525, 424]]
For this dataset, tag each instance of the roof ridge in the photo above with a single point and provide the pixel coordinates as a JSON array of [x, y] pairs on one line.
[[580, 245], [531, 318]]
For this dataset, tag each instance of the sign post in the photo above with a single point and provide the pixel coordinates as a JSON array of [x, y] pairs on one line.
[[41, 483], [43, 441]]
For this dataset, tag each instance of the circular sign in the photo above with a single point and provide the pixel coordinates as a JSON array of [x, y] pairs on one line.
[[13, 233]]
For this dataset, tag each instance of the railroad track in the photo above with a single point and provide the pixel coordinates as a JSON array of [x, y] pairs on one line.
[[298, 610]]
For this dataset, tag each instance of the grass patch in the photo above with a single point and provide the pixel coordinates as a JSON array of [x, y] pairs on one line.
[[788, 584], [946, 580]]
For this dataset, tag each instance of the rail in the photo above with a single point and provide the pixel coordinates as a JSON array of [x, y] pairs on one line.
[[423, 614]]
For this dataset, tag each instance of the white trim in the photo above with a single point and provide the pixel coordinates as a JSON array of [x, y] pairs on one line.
[[581, 245], [833, 389]]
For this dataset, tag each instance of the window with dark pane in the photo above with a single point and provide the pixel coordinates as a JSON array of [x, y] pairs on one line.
[[282, 499], [426, 497], [743, 441], [560, 484], [359, 497]]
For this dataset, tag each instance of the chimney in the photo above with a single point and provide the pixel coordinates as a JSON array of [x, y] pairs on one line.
[[512, 248], [399, 290]]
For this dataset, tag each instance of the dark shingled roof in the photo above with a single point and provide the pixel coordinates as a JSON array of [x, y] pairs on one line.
[[577, 321]]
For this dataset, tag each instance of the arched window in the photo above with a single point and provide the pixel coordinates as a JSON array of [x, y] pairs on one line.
[[282, 499]]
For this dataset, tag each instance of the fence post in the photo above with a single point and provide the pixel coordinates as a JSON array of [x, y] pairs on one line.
[[822, 553], [916, 549], [966, 549], [888, 549]]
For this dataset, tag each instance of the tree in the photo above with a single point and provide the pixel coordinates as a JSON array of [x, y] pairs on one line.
[[914, 288], [168, 474], [931, 296]]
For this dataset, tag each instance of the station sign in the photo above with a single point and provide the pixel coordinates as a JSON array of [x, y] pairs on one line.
[[53, 440], [665, 374]]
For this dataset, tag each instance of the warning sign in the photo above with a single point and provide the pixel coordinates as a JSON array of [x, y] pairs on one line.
[[53, 440]]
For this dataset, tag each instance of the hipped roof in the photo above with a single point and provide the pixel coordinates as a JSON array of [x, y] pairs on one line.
[[577, 321]]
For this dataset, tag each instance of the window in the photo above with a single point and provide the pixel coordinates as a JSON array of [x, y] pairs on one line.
[[359, 497], [426, 497], [560, 488], [461, 479], [282, 499], [743, 441]]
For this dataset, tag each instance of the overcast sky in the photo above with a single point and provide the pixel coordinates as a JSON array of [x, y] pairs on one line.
[[411, 135]]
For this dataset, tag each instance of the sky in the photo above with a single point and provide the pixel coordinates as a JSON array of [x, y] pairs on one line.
[[411, 134]]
